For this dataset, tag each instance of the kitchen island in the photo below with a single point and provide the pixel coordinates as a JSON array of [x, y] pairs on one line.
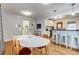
[[68, 38]]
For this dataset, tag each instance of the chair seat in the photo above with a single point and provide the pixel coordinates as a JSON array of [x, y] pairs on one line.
[[25, 51], [45, 36]]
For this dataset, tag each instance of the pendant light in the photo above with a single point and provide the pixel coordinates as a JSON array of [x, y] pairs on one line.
[[55, 17], [73, 4]]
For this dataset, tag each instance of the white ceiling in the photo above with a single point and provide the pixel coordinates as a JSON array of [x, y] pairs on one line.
[[39, 10]]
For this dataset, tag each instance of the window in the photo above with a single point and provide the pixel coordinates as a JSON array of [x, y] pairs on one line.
[[71, 25]]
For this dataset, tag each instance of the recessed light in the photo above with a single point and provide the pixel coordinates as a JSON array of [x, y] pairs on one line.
[[27, 13]]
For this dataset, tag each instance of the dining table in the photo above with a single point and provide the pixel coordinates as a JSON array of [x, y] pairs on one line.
[[32, 41]]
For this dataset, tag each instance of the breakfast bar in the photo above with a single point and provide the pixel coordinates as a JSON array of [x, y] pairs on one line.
[[68, 38]]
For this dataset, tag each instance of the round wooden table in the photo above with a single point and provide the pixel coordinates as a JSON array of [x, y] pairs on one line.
[[31, 41]]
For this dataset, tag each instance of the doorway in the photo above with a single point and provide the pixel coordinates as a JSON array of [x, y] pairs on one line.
[[25, 27]]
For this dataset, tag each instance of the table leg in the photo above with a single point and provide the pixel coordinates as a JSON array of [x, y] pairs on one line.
[[41, 51], [31, 51], [46, 50]]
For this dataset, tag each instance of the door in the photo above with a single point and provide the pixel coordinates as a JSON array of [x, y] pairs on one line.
[[25, 27]]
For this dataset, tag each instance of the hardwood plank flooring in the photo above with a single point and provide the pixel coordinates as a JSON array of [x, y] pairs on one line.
[[53, 50]]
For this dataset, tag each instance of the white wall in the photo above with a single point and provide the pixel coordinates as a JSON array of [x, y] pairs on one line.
[[40, 21], [9, 25], [48, 23], [44, 23]]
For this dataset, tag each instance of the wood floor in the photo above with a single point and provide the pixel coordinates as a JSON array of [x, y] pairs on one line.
[[53, 50]]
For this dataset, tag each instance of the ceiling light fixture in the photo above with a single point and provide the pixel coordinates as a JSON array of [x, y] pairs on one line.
[[60, 16], [73, 4], [72, 14], [55, 15], [45, 3], [27, 13]]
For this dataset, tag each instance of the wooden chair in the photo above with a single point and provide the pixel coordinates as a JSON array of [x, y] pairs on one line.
[[44, 47], [18, 50], [36, 34], [45, 36], [16, 46], [25, 51]]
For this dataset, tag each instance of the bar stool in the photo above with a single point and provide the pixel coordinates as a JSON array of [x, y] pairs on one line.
[[69, 40], [64, 39], [54, 40], [54, 37], [58, 39], [75, 42], [72, 38]]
